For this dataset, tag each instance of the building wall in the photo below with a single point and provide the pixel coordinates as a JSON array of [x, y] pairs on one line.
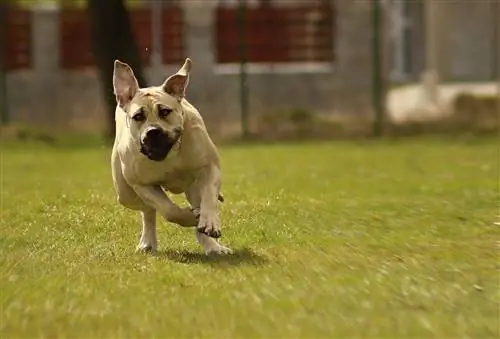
[[48, 96]]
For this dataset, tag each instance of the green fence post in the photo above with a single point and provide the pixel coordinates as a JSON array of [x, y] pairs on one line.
[[495, 72], [377, 85], [4, 106], [243, 68]]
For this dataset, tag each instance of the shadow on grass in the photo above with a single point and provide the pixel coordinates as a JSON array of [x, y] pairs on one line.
[[239, 257]]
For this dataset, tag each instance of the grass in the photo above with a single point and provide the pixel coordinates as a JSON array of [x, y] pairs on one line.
[[348, 240]]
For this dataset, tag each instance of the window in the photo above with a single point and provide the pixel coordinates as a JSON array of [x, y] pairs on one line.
[[406, 33], [293, 37], [75, 44], [18, 38]]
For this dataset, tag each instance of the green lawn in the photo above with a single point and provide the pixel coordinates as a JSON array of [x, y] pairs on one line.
[[383, 239]]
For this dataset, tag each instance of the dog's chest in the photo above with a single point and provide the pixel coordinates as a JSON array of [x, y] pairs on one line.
[[177, 182], [171, 174]]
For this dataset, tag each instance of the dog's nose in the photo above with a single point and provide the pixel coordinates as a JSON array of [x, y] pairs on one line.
[[154, 133]]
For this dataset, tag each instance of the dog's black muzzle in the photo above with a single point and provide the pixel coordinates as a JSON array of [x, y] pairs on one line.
[[157, 143]]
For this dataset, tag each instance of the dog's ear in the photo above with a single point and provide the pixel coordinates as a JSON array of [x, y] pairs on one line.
[[176, 84], [124, 83]]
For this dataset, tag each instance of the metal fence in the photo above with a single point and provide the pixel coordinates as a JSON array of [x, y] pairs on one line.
[[255, 60]]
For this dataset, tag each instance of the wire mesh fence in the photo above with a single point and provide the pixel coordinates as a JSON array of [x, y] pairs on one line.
[[268, 68]]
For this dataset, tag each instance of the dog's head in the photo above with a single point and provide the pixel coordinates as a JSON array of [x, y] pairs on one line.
[[155, 116]]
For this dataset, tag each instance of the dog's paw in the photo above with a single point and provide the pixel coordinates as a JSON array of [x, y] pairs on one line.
[[218, 250], [145, 248], [209, 225]]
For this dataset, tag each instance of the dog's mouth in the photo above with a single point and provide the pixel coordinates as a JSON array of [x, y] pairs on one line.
[[156, 153], [159, 149]]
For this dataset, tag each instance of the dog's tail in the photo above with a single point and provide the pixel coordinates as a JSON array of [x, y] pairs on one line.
[[220, 197]]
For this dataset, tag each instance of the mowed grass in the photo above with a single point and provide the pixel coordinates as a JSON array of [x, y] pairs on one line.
[[368, 239]]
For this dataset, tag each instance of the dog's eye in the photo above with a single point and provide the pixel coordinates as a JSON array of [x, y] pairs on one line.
[[164, 112], [139, 116]]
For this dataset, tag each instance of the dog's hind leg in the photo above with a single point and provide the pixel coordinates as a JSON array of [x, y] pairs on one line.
[[210, 245], [148, 241]]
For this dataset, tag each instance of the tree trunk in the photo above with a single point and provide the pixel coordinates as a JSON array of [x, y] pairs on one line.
[[112, 38]]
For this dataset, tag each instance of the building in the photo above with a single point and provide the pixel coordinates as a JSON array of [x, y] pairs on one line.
[[313, 54]]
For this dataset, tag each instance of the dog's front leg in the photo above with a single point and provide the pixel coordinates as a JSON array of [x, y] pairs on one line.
[[157, 199], [148, 242], [209, 222], [210, 245]]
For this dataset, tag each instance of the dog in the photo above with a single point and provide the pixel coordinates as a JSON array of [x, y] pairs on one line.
[[162, 146]]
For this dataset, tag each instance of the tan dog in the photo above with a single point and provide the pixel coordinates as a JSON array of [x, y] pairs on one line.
[[162, 145]]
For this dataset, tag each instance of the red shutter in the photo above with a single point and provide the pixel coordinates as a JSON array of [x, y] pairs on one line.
[[276, 34], [18, 39]]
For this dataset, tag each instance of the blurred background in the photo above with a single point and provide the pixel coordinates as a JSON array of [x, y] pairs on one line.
[[266, 69]]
